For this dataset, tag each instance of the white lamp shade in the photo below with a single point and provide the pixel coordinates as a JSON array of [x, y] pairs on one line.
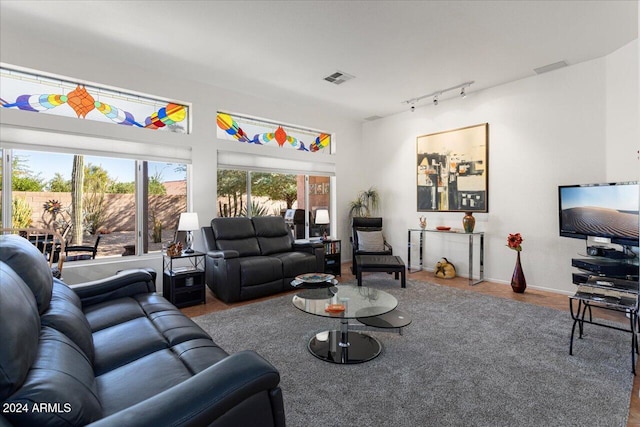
[[322, 216], [188, 221]]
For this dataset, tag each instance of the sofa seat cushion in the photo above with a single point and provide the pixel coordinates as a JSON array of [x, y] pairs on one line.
[[259, 269], [62, 376], [296, 263], [175, 327], [139, 380], [197, 355], [110, 313], [125, 342]]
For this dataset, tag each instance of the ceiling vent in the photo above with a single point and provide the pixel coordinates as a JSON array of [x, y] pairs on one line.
[[550, 67], [372, 118], [338, 78]]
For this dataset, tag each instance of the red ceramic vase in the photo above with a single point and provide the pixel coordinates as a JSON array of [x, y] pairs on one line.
[[518, 282]]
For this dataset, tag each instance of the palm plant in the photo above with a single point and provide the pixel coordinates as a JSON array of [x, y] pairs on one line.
[[365, 204]]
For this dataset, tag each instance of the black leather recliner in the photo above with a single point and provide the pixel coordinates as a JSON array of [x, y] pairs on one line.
[[253, 257], [114, 353]]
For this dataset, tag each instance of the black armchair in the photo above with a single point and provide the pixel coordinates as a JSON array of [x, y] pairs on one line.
[[367, 239], [92, 251]]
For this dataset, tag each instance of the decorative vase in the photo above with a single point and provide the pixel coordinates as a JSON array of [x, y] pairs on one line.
[[518, 282], [468, 222], [423, 222]]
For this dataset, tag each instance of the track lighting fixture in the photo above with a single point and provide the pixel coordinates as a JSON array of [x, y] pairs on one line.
[[436, 94]]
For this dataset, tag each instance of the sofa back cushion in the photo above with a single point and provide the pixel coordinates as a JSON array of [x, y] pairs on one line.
[[62, 379], [273, 235], [235, 234], [65, 315], [28, 263], [19, 331]]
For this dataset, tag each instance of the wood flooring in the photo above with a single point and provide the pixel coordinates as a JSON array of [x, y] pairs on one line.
[[531, 296]]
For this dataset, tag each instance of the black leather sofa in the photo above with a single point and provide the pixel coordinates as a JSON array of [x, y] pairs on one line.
[[114, 353], [253, 257]]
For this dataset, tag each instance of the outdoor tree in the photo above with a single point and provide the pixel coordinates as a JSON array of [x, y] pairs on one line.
[[22, 178], [58, 184], [232, 184], [122, 187], [276, 186]]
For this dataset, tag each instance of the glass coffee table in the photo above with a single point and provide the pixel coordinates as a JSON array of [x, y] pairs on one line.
[[344, 302]]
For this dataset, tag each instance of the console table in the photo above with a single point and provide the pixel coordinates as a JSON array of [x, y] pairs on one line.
[[433, 233]]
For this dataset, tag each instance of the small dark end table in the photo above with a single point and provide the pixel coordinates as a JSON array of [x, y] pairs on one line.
[[381, 263]]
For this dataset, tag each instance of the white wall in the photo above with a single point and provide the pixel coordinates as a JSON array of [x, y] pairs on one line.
[[622, 113], [562, 127], [205, 98]]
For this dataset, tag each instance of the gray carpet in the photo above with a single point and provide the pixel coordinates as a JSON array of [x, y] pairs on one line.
[[466, 360]]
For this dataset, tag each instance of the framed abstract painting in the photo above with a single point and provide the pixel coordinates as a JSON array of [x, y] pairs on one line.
[[452, 170]]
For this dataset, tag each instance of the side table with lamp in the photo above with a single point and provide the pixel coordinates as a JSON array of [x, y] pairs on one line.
[[183, 281]]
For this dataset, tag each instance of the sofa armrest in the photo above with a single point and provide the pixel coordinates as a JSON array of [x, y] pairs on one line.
[[125, 283], [223, 254], [307, 246], [243, 377]]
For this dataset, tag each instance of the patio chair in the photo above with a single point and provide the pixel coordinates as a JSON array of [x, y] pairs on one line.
[[49, 242], [92, 251], [367, 239]]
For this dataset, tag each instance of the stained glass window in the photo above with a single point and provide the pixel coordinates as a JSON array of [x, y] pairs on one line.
[[234, 127], [34, 93]]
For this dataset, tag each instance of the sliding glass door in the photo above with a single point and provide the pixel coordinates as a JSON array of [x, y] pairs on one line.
[[257, 193]]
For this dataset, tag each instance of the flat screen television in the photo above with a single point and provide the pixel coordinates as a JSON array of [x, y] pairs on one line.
[[600, 210]]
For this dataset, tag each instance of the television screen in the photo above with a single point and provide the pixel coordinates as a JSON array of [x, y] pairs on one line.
[[600, 210]]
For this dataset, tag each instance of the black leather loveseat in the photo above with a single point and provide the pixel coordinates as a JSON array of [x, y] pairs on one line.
[[254, 257], [115, 353]]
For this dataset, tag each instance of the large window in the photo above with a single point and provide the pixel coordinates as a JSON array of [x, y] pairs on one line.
[[83, 197], [253, 193]]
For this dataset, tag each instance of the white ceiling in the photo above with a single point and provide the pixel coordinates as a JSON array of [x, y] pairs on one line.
[[397, 50]]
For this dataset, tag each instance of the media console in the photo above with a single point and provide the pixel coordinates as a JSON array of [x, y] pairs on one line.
[[609, 284]]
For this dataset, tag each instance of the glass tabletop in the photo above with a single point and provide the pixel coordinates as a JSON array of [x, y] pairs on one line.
[[345, 301]]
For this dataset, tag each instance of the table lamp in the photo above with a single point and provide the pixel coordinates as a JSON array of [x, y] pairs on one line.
[[188, 222], [322, 218]]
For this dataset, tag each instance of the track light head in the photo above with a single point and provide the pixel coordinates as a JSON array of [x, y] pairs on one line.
[[435, 100], [463, 93], [413, 108]]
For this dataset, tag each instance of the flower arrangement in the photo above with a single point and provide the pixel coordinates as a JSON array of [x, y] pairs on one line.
[[514, 241]]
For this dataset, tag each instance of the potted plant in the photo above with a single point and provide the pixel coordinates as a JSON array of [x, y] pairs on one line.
[[365, 204]]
